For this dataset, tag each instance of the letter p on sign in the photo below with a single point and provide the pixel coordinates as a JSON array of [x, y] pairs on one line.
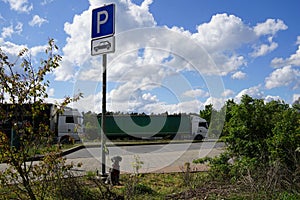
[[99, 21], [103, 21]]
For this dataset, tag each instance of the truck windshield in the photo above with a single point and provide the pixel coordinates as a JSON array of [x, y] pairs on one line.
[[74, 119], [69, 119], [203, 124]]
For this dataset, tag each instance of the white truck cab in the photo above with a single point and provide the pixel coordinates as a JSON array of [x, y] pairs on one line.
[[70, 126], [199, 127]]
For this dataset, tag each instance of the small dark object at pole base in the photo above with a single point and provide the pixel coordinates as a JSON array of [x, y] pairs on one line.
[[114, 172]]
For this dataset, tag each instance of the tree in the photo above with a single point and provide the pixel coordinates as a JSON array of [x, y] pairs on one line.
[[215, 119], [285, 140], [91, 124], [248, 128], [206, 113], [262, 146], [265, 136], [24, 84], [227, 108]]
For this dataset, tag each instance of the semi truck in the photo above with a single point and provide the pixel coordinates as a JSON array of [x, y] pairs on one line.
[[181, 126], [66, 125]]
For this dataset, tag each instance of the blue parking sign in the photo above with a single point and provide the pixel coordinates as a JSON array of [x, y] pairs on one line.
[[103, 21]]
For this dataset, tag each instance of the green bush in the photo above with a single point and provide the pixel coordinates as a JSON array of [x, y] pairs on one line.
[[263, 141]]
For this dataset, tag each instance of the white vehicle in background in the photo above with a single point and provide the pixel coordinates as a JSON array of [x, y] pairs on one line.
[[199, 127], [69, 126], [66, 126]]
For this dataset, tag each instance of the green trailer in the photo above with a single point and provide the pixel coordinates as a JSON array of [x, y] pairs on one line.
[[154, 126]]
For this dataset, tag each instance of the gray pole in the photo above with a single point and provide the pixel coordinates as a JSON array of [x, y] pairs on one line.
[[104, 61]]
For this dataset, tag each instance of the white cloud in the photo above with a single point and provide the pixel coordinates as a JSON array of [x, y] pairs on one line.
[[150, 105], [254, 92], [91, 103], [45, 2], [298, 40], [168, 42], [263, 49], [296, 97], [78, 38], [7, 31], [270, 98], [141, 13], [37, 21], [11, 48], [19, 5], [149, 97], [217, 103], [19, 28], [283, 77], [294, 60], [66, 71], [216, 40], [50, 92], [227, 93], [193, 106], [10, 30], [37, 49], [238, 75], [223, 32], [147, 55], [196, 93], [270, 26]]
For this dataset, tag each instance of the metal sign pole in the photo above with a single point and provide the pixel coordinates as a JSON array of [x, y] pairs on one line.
[[104, 61], [103, 42]]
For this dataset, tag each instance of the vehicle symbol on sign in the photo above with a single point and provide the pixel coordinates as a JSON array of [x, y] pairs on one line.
[[102, 45]]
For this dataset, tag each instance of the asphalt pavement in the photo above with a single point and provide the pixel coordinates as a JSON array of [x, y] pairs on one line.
[[154, 158]]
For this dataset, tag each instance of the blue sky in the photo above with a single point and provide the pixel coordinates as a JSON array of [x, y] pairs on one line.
[[175, 56]]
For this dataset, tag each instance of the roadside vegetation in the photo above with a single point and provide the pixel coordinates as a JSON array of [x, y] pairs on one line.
[[261, 159], [262, 148], [24, 82]]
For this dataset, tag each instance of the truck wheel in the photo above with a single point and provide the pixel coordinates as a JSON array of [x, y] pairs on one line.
[[199, 137]]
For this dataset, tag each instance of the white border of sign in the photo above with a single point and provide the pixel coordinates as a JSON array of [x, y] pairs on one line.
[[102, 45]]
